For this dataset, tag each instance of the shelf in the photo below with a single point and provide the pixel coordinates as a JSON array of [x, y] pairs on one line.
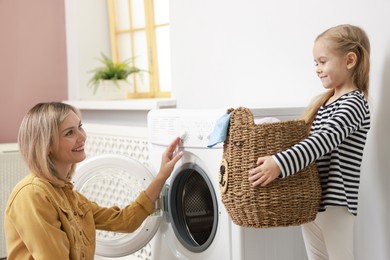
[[133, 104]]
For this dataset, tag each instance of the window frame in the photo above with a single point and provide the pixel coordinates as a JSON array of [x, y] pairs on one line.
[[151, 42]]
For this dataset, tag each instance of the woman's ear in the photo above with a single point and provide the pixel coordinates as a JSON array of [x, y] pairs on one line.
[[351, 60]]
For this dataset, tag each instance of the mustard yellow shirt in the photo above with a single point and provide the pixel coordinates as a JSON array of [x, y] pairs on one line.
[[46, 222]]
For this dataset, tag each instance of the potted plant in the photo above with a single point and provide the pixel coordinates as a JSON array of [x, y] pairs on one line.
[[112, 77]]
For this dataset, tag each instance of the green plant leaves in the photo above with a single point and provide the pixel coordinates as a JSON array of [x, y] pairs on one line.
[[112, 71]]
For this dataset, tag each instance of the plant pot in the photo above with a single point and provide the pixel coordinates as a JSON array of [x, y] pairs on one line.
[[114, 90]]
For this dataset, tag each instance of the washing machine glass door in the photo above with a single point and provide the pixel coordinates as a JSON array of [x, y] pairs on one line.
[[116, 180], [193, 207]]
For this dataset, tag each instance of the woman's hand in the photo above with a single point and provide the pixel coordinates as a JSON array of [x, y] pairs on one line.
[[266, 171], [168, 161]]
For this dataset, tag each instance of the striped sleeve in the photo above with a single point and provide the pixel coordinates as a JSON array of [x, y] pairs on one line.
[[338, 123]]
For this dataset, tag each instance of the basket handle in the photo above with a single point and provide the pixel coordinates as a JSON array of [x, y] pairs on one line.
[[244, 115]]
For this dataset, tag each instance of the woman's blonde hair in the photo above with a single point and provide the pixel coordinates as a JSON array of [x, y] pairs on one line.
[[38, 132], [344, 39]]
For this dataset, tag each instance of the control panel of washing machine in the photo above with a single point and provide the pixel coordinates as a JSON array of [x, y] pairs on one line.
[[194, 127], [196, 132]]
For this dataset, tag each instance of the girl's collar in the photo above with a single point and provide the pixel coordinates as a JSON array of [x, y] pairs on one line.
[[344, 95]]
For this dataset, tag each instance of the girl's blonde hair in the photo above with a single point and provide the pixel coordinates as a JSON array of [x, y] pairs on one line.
[[344, 39], [38, 132]]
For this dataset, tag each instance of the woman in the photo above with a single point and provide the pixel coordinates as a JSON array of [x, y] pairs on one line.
[[45, 217]]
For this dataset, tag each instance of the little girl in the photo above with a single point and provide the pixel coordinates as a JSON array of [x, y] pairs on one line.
[[340, 121]]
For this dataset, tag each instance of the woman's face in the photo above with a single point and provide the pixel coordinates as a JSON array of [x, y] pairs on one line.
[[71, 142]]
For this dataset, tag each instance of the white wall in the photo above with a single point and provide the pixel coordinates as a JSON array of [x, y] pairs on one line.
[[229, 53], [87, 32]]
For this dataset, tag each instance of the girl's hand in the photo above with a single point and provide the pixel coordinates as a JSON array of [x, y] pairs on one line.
[[266, 171]]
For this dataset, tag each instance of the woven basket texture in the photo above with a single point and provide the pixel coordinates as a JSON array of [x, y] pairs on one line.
[[291, 201]]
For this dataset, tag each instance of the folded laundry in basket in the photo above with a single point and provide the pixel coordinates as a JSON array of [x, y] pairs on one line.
[[220, 130]]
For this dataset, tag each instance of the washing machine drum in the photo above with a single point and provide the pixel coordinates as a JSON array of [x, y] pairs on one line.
[[192, 207], [116, 180]]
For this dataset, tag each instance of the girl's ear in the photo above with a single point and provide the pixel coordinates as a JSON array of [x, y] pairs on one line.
[[351, 60]]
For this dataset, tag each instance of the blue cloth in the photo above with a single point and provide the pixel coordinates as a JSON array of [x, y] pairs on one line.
[[220, 130]]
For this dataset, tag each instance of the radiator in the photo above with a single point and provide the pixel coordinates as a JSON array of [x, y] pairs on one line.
[[12, 170], [114, 139]]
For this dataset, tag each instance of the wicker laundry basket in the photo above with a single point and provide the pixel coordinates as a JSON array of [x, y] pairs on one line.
[[291, 201]]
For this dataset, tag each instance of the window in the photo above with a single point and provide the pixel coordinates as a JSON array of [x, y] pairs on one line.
[[139, 30]]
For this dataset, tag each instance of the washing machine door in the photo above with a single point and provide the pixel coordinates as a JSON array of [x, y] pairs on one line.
[[192, 207], [116, 180]]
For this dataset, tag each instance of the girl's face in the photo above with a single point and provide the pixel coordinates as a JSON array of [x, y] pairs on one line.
[[331, 68], [70, 148]]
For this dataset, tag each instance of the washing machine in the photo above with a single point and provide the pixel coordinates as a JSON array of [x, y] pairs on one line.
[[191, 221], [195, 223]]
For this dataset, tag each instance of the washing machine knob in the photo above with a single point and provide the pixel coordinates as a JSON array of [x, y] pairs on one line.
[[183, 135]]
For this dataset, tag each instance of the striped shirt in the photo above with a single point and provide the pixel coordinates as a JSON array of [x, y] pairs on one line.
[[336, 144]]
